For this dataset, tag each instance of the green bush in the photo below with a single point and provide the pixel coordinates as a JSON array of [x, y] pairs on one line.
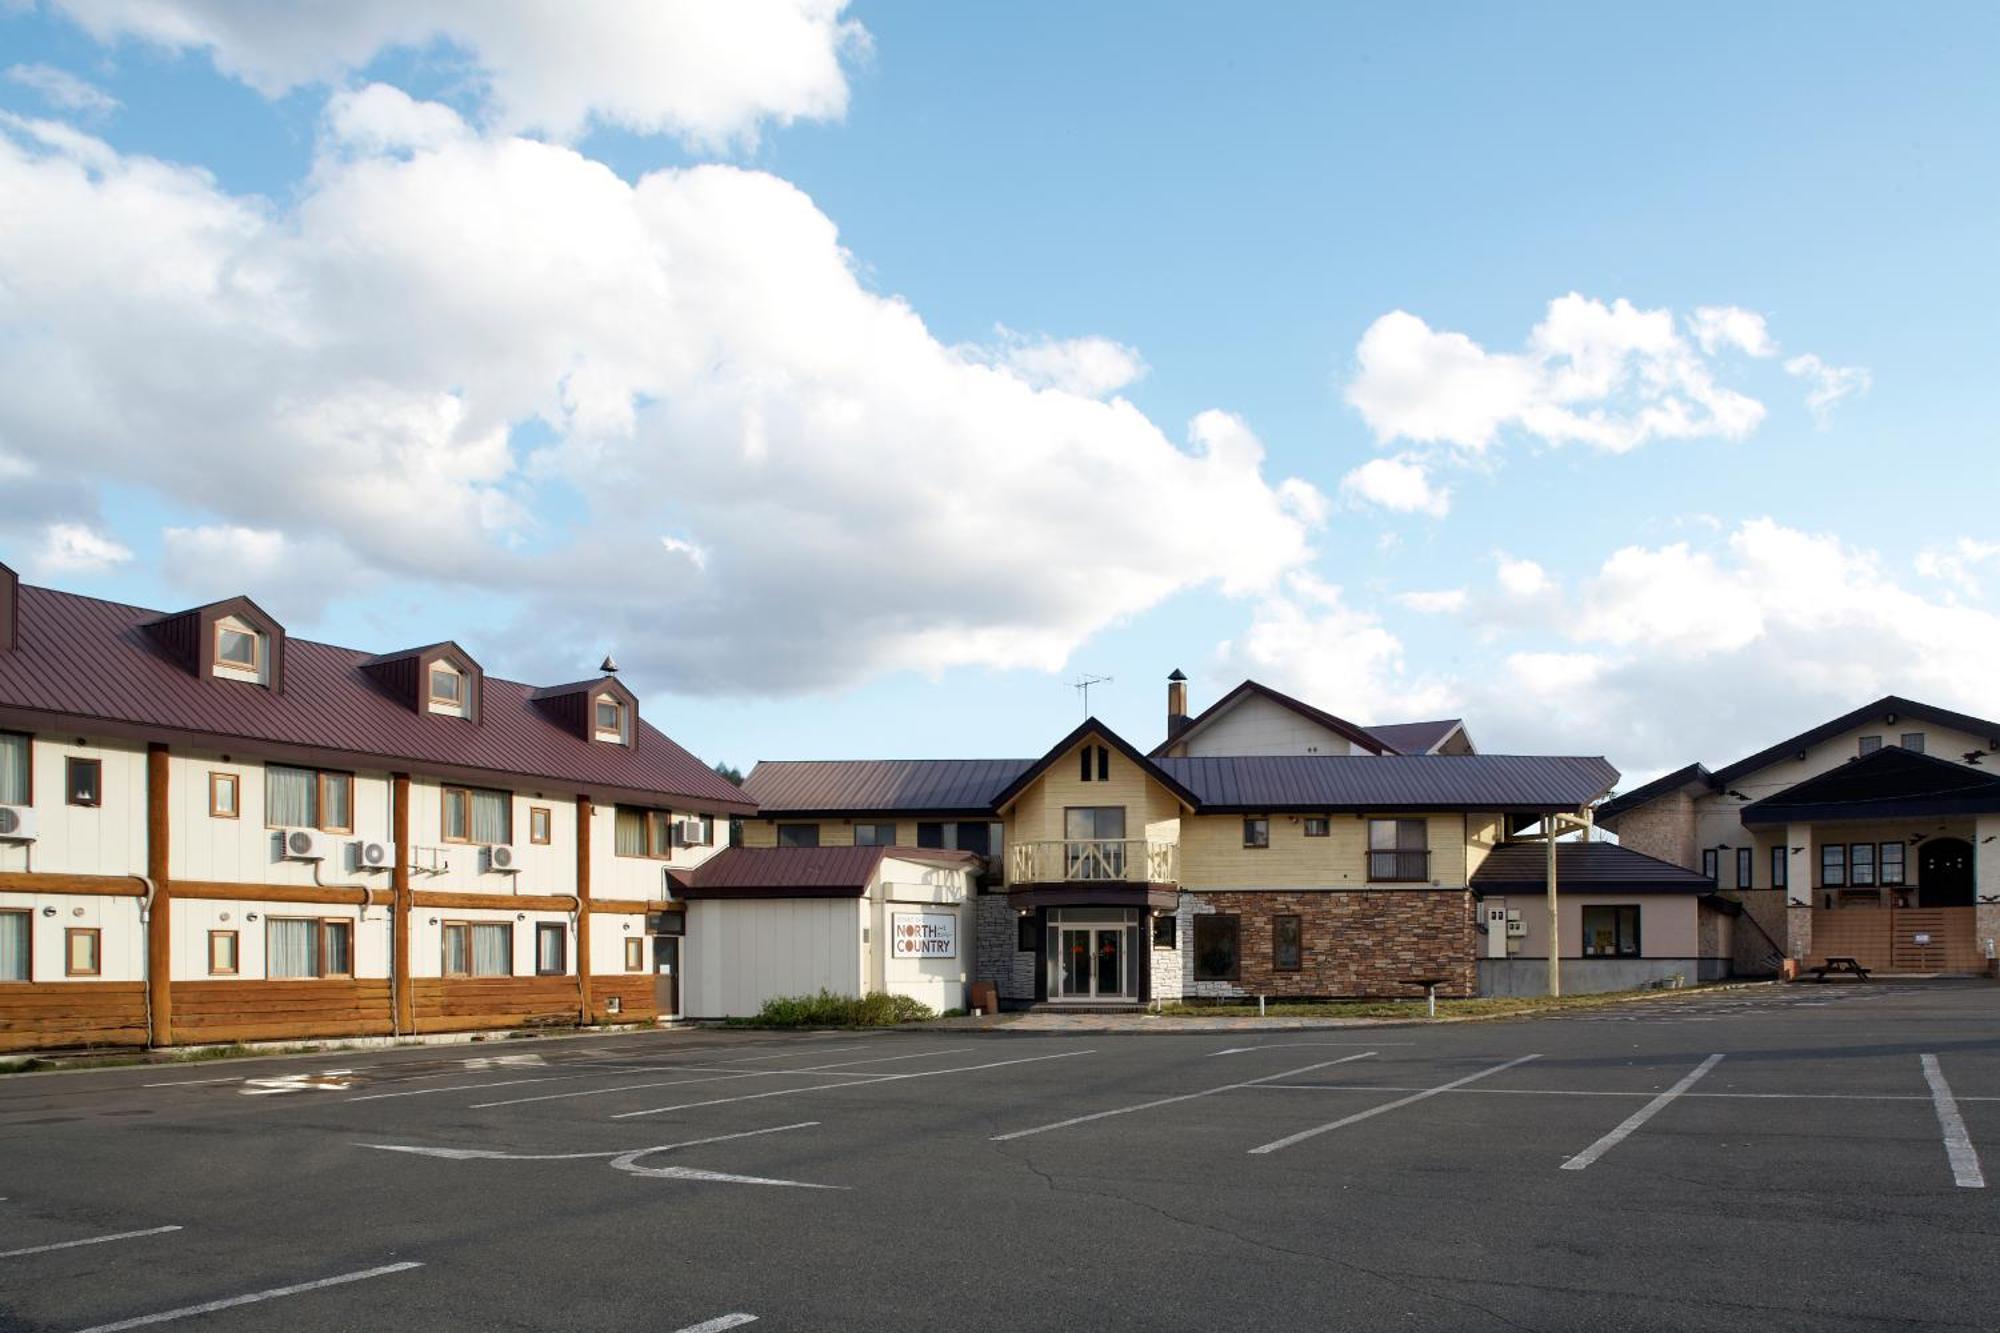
[[877, 1009]]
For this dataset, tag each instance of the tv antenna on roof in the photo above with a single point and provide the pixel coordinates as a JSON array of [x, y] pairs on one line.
[[1082, 686]]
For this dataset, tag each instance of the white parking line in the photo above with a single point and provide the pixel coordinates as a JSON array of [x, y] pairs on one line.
[[720, 1322], [866, 1083], [1169, 1101], [1640, 1117], [88, 1240], [192, 1082], [716, 1077], [1958, 1149], [230, 1302], [1359, 1116]]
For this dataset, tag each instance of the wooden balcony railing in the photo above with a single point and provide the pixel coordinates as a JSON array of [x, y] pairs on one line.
[[1127, 860]]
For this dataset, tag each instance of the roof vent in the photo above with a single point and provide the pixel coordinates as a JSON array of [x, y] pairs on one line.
[[608, 667]]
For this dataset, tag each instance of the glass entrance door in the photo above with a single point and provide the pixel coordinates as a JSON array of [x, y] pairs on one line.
[[1093, 962]]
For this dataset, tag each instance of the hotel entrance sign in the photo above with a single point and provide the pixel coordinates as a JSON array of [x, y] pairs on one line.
[[923, 935]]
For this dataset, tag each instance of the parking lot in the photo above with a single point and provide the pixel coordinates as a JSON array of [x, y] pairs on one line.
[[1801, 1157]]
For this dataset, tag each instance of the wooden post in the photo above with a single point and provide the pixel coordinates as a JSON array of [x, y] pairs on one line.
[[583, 812], [1555, 919], [405, 1017], [160, 922]]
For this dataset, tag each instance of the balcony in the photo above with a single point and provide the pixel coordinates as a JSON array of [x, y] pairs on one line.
[[1093, 860], [1402, 866]]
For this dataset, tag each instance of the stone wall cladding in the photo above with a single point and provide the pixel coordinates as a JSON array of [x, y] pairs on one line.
[[1169, 965], [1986, 926], [1765, 908], [1358, 942], [1663, 827], [1011, 971]]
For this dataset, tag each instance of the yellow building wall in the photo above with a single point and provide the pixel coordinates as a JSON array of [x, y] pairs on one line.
[[1213, 854], [1037, 815]]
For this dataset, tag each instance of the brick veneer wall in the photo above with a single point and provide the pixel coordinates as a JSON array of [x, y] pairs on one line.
[[1357, 942], [1663, 827]]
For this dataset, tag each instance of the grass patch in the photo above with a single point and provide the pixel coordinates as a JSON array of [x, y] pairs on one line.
[[877, 1009], [117, 1057], [1481, 1007]]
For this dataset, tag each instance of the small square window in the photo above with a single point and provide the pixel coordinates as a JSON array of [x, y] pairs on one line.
[[1166, 931], [1256, 833], [610, 719], [224, 796], [1913, 741], [1870, 744], [83, 779], [236, 647], [539, 823], [81, 952], [635, 955], [447, 686], [1318, 826], [222, 953]]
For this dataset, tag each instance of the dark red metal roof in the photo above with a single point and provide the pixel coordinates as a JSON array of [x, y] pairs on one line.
[[880, 786], [90, 664], [1583, 867], [1524, 782], [799, 872], [1340, 726], [1415, 737]]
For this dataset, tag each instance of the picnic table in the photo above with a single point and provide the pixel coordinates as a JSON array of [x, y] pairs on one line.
[[1840, 964], [1430, 985]]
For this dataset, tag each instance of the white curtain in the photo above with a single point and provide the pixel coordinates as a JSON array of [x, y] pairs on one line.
[[549, 950], [14, 946], [339, 948], [489, 817], [13, 769], [457, 952], [288, 797], [291, 947], [629, 832], [492, 951], [338, 789]]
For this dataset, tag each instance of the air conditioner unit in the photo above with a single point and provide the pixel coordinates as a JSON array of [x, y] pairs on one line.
[[689, 831], [17, 823], [306, 844], [375, 855], [500, 857]]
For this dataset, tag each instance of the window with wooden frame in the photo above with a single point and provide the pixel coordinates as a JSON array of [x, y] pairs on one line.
[[1287, 942], [476, 815], [540, 824], [82, 951], [1399, 850], [238, 648], [222, 953], [635, 955], [1890, 862], [1217, 955], [478, 949], [1746, 859], [1318, 826], [17, 945], [1779, 867], [83, 781], [17, 776], [225, 796], [608, 716], [308, 798], [447, 685], [1832, 866], [636, 831], [551, 949], [303, 947], [1257, 832]]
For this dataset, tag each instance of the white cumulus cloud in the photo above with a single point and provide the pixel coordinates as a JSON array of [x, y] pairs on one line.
[[1401, 484], [1091, 365], [72, 549], [63, 90]]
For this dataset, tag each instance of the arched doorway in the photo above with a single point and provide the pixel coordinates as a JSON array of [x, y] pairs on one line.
[[1944, 873]]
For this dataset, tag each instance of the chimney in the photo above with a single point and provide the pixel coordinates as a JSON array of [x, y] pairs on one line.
[[1177, 713], [10, 609]]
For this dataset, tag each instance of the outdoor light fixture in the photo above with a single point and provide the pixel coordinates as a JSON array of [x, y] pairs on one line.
[[76, 911], [249, 916], [48, 911], [520, 916]]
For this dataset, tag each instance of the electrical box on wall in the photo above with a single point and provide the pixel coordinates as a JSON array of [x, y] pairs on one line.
[[1516, 927]]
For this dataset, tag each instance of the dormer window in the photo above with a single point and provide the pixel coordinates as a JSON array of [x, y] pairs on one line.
[[239, 650], [449, 691], [610, 715]]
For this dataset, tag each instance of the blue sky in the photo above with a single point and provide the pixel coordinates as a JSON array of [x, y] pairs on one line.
[[1232, 198]]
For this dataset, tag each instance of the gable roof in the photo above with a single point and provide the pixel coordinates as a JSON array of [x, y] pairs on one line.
[[1339, 726], [1694, 775], [1252, 784], [1889, 783], [800, 872], [1416, 737], [1584, 867], [1888, 706], [91, 666], [823, 787], [1089, 726]]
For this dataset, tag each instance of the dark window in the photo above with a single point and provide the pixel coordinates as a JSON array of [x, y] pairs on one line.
[[1025, 934], [1398, 849], [874, 835], [1778, 876], [1094, 763], [1287, 943], [1611, 932], [1256, 833], [1166, 932], [1892, 863], [1103, 764], [975, 836], [1318, 826], [1709, 857], [1870, 744], [930, 835], [1832, 865], [1745, 859], [1861, 864], [1913, 741], [798, 835], [1083, 764], [84, 781], [1216, 956], [551, 949]]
